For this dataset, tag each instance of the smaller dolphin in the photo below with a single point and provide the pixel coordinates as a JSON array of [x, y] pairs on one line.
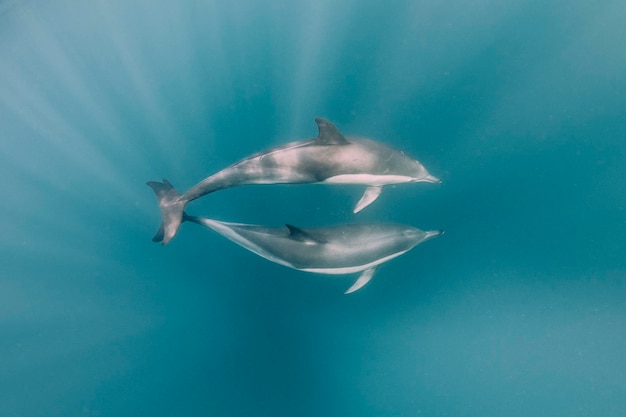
[[329, 159], [335, 250]]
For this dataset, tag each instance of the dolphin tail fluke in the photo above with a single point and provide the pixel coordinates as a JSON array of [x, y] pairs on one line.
[[171, 210], [363, 279]]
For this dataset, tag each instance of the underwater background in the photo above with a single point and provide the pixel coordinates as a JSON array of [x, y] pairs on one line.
[[518, 310]]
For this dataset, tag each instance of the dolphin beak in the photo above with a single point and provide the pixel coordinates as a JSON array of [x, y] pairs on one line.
[[433, 233], [432, 179]]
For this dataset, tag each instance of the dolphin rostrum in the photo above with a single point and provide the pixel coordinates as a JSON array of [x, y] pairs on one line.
[[335, 250], [329, 159]]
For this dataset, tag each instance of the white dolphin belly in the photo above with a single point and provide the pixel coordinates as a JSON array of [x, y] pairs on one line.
[[351, 269], [368, 179]]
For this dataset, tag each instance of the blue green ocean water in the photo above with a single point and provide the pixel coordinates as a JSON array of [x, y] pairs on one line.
[[518, 310]]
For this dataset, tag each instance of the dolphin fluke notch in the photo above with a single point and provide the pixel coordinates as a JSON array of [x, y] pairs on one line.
[[171, 207], [329, 134]]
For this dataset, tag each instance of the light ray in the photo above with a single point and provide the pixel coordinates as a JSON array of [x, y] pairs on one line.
[[318, 47]]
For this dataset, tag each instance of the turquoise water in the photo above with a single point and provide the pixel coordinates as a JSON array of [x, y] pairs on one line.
[[518, 310]]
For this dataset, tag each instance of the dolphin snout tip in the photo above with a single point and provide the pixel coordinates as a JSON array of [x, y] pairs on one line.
[[432, 179], [434, 233]]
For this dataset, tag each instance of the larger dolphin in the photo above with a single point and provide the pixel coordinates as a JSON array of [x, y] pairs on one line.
[[335, 250], [330, 159]]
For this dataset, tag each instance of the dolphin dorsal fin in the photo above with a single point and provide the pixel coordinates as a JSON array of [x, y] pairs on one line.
[[329, 134], [298, 234]]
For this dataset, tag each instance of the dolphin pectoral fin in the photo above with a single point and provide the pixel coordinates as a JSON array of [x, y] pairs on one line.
[[363, 279], [329, 134], [371, 193]]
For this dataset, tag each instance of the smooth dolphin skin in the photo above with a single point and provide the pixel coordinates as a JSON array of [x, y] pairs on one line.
[[335, 250], [328, 159]]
